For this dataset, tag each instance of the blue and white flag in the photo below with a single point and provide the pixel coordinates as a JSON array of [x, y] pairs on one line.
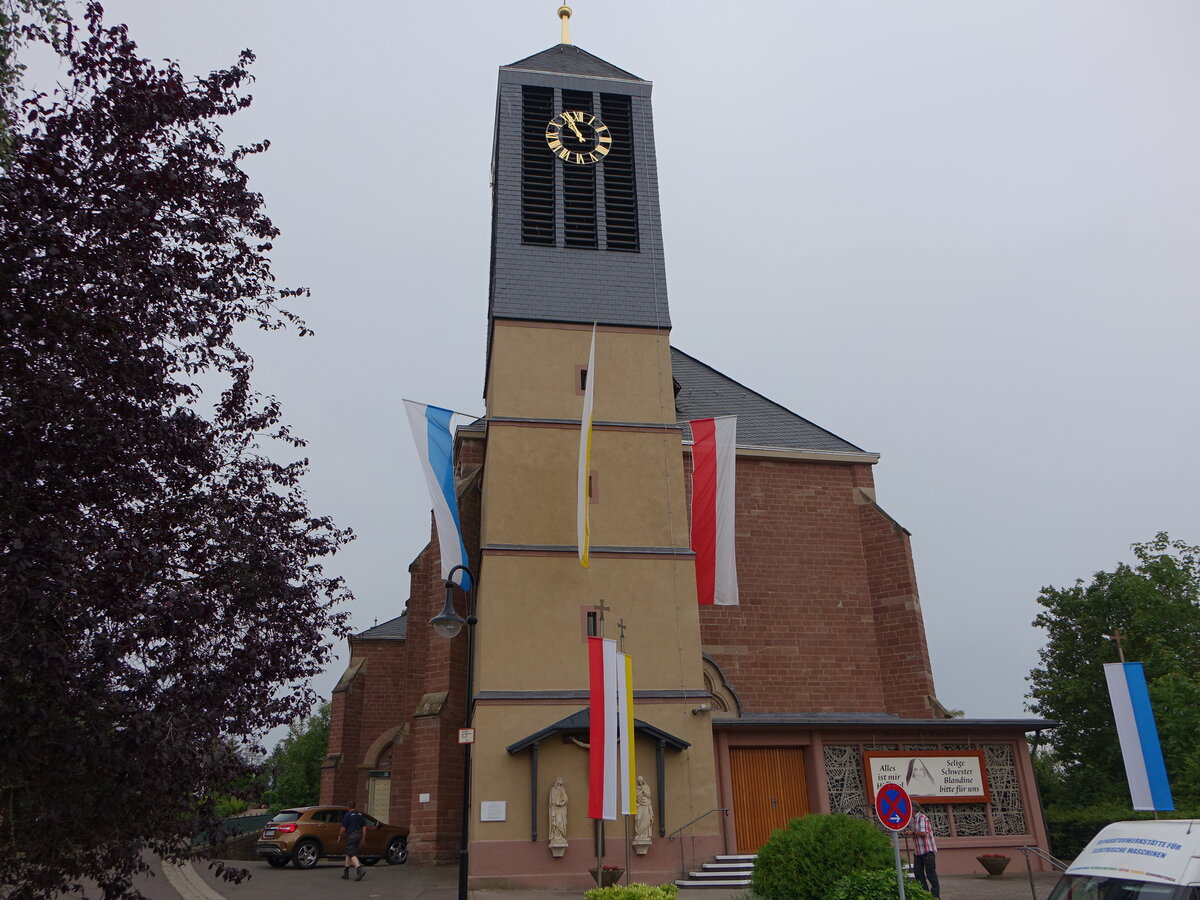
[[1144, 767], [435, 449]]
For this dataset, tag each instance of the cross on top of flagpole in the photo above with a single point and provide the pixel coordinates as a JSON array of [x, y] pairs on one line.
[[600, 610], [621, 628]]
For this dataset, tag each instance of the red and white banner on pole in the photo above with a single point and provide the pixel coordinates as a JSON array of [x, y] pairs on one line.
[[611, 773], [714, 454], [602, 752]]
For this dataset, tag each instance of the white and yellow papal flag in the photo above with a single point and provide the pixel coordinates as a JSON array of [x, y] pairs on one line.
[[582, 531], [625, 736]]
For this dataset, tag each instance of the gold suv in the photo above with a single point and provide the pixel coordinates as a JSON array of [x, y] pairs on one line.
[[305, 835]]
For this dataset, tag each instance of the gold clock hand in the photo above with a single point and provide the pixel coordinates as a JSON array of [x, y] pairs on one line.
[[575, 128]]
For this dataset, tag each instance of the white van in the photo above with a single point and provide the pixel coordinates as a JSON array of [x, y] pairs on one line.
[[1150, 860]]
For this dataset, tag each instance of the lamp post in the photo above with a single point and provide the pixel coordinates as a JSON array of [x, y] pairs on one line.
[[448, 624]]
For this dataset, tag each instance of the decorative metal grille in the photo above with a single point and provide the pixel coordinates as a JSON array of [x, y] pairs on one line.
[[939, 818], [1008, 813], [844, 776], [1004, 814]]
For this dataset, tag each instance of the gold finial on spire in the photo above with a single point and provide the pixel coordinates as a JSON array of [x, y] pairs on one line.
[[564, 13]]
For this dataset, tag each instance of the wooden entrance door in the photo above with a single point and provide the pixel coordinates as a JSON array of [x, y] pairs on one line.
[[769, 790]]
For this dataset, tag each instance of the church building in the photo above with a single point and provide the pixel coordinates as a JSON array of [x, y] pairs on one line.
[[815, 687]]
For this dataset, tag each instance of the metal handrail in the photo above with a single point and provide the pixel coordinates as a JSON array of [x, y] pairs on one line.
[[720, 809], [671, 837], [1045, 857]]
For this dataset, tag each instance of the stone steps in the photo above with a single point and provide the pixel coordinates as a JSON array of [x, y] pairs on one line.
[[728, 871]]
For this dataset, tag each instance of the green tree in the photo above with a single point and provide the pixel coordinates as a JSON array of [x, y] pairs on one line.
[[20, 22], [1154, 607], [295, 763]]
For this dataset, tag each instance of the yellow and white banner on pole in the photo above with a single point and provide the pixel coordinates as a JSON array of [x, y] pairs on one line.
[[582, 525], [626, 747]]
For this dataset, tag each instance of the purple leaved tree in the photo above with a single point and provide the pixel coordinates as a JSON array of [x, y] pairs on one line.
[[162, 598]]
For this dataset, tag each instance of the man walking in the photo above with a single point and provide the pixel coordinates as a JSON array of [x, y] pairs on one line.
[[924, 851], [353, 823]]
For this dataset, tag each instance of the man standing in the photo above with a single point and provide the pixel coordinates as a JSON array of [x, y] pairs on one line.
[[353, 823], [924, 851]]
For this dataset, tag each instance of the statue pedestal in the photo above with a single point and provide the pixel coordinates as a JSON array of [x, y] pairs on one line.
[[641, 845], [558, 848]]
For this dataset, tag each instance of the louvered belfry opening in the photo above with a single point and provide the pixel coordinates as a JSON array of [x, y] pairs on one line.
[[579, 186], [620, 183], [537, 167], [582, 185]]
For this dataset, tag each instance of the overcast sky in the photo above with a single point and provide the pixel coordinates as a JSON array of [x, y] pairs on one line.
[[962, 235]]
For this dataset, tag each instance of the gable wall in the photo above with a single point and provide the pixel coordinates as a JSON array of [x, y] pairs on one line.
[[827, 596], [903, 650]]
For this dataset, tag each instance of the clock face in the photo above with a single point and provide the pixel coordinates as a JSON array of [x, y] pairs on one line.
[[578, 137]]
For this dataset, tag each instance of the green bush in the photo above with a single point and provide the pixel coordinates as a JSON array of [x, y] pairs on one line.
[[635, 891], [802, 861], [228, 807], [1070, 829], [879, 884]]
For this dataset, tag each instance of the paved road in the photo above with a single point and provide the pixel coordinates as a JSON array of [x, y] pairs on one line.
[[423, 882]]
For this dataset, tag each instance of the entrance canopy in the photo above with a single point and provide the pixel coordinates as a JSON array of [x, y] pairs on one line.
[[578, 723]]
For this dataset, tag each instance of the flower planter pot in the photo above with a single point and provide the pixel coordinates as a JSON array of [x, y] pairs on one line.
[[607, 877], [994, 865]]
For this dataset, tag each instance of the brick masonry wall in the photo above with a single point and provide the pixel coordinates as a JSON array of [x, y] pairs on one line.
[[899, 623], [827, 597], [436, 665], [425, 755]]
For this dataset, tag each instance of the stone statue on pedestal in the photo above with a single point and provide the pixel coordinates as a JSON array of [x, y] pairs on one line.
[[645, 817], [558, 818]]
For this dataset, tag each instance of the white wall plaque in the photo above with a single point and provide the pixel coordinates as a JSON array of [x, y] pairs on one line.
[[422, 798], [493, 811]]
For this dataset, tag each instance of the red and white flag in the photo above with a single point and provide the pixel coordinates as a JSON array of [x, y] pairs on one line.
[[714, 451], [602, 737]]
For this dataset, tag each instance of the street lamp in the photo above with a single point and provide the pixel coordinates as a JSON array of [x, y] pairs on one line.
[[448, 624]]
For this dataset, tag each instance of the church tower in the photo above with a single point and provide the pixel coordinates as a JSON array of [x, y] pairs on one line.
[[576, 245]]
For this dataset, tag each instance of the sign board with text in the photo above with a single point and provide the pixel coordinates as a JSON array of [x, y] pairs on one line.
[[939, 777]]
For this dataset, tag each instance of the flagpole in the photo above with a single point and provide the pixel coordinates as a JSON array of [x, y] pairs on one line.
[[448, 624], [599, 852], [599, 836], [625, 787]]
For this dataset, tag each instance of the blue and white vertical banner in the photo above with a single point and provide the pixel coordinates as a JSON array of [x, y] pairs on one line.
[[1144, 767], [435, 448]]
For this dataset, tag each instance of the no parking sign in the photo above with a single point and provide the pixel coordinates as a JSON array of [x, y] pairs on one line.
[[893, 807]]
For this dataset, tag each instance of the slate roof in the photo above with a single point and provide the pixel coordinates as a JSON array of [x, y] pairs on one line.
[[392, 630], [580, 722], [705, 392], [567, 59], [878, 720]]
